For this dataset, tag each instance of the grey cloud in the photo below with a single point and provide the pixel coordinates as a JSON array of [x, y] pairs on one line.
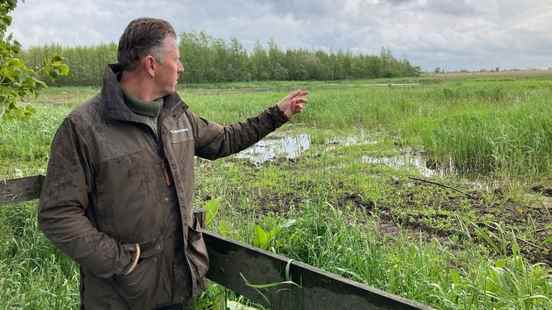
[[399, 2], [430, 33], [303, 9], [452, 7]]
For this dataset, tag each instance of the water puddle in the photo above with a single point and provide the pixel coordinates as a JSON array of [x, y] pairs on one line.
[[351, 140], [360, 138], [275, 147], [272, 148], [413, 160], [293, 146]]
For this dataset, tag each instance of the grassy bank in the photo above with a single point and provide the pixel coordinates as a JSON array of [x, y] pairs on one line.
[[354, 202]]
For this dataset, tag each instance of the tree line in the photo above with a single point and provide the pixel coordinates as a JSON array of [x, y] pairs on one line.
[[207, 59]]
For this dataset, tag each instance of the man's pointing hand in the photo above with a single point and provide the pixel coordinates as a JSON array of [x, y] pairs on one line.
[[294, 102]]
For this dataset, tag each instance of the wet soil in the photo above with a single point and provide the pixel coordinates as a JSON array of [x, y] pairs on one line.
[[435, 210], [278, 203], [541, 189], [496, 217]]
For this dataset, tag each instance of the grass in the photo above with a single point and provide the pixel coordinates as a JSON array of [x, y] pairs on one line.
[[484, 246], [34, 274], [498, 127], [411, 267]]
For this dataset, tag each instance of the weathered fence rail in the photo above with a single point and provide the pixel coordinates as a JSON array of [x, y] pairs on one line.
[[22, 189], [244, 269]]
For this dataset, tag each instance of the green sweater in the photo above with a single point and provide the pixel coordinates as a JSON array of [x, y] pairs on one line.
[[149, 109]]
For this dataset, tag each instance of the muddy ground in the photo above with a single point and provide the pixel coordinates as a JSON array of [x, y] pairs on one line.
[[457, 213]]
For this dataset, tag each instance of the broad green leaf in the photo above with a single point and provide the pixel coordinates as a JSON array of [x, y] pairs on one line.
[[455, 277], [261, 238], [212, 208], [500, 263]]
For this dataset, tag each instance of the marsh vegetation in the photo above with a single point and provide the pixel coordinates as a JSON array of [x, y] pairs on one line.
[[436, 189]]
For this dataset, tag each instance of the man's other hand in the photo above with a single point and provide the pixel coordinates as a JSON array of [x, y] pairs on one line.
[[294, 102]]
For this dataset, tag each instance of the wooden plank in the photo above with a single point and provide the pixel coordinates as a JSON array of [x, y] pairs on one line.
[[22, 189], [318, 289]]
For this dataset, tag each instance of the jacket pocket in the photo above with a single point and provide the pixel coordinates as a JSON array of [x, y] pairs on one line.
[[138, 287], [197, 253]]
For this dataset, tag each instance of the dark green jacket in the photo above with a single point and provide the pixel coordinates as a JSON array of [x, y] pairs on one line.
[[106, 187]]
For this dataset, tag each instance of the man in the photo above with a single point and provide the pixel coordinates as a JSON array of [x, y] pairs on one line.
[[118, 193]]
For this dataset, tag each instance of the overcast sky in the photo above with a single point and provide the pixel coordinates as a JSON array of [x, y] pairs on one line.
[[451, 34]]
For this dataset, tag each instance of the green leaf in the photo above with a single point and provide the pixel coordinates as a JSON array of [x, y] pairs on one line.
[[455, 277], [17, 79], [212, 208], [262, 239], [500, 263]]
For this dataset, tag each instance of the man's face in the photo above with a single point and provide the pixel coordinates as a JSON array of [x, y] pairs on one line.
[[167, 71]]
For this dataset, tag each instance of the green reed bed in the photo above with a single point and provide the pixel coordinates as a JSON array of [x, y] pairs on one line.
[[443, 249], [349, 242], [339, 241], [514, 138], [483, 127]]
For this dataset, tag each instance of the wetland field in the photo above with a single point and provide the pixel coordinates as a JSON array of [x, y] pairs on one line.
[[437, 188]]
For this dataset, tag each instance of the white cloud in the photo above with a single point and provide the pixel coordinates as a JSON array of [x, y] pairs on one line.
[[447, 33]]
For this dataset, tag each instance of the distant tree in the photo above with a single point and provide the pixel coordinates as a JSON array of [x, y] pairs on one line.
[[325, 71], [260, 63], [276, 59], [194, 50], [208, 59], [236, 65], [17, 80]]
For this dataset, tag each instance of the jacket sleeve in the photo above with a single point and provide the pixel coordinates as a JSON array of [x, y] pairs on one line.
[[213, 140], [62, 209]]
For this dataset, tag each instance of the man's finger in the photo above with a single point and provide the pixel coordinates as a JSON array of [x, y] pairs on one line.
[[298, 93], [298, 107], [300, 100]]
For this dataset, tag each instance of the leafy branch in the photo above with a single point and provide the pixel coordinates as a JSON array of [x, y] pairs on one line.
[[17, 80]]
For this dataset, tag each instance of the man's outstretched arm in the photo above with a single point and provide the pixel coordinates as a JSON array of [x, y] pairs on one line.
[[214, 140]]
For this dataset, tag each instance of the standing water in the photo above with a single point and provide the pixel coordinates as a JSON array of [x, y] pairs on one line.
[[414, 160], [271, 148]]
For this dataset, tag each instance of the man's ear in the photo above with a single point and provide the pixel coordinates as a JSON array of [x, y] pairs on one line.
[[149, 65]]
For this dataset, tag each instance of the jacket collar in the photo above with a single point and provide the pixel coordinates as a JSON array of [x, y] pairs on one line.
[[114, 101]]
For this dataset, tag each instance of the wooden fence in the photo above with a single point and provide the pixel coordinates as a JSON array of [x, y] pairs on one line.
[[240, 268]]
